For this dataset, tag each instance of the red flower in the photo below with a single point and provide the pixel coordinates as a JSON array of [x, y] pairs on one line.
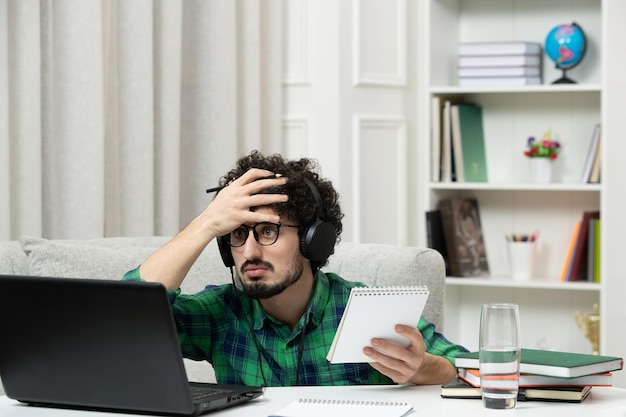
[[546, 147]]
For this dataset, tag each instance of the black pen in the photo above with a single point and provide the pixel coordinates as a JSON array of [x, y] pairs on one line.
[[214, 189], [217, 189]]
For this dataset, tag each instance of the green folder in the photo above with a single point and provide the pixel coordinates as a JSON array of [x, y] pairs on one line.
[[472, 142]]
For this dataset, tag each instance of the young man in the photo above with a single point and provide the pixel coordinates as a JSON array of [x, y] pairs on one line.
[[277, 222]]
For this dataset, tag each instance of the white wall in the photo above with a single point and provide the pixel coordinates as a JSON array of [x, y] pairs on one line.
[[348, 73]]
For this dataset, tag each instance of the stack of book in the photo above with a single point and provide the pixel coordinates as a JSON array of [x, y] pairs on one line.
[[500, 63], [544, 375]]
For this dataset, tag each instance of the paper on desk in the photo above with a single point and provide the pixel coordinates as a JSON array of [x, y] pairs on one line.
[[311, 407]]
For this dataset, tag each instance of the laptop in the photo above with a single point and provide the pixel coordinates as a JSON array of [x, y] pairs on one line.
[[101, 345]]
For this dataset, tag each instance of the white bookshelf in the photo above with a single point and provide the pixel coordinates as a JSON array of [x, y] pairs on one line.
[[509, 202]]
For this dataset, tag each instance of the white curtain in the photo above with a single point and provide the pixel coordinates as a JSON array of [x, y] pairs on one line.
[[116, 115]]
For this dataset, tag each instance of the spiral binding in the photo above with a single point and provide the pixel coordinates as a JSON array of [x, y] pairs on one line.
[[317, 401], [390, 290]]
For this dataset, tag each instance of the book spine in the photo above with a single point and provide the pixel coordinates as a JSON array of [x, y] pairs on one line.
[[591, 250], [521, 71], [579, 262], [570, 251], [447, 225], [594, 177], [499, 61], [457, 147], [596, 273], [435, 237], [435, 134], [446, 145], [499, 48], [498, 81], [591, 155]]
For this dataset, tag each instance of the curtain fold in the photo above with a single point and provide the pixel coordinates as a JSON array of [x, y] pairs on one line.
[[168, 22], [117, 115], [134, 64], [73, 110], [5, 183], [22, 117], [209, 107]]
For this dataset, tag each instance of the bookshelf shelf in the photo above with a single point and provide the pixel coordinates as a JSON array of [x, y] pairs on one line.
[[545, 88], [538, 284], [591, 188]]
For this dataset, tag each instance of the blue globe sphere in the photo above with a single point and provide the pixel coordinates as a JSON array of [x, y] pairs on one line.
[[566, 45]]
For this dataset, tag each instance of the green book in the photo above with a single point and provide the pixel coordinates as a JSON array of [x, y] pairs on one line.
[[553, 363], [472, 141], [596, 272], [591, 250]]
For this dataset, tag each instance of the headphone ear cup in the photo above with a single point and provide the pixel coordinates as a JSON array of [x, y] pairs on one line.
[[318, 240], [227, 255], [229, 261]]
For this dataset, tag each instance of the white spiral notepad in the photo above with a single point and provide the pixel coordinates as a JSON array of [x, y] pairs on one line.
[[311, 407], [374, 312]]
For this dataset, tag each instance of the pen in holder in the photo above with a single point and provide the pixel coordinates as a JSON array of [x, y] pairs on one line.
[[521, 250]]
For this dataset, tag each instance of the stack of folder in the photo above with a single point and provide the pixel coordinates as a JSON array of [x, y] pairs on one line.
[[544, 375], [500, 63]]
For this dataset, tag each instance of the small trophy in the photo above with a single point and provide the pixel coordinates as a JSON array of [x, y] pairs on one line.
[[590, 326]]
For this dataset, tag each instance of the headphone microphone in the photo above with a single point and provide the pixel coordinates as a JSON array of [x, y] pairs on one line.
[[317, 240]]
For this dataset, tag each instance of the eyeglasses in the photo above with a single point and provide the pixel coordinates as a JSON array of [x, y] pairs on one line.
[[265, 234]]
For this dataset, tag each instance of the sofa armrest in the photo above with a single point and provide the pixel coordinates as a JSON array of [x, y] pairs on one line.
[[13, 260]]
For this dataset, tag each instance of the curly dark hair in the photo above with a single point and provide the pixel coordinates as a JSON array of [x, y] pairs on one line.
[[301, 206]]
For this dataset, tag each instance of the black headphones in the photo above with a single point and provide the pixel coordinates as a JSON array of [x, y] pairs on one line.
[[316, 240]]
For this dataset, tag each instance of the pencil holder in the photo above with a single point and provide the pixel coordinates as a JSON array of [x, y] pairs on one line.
[[521, 259]]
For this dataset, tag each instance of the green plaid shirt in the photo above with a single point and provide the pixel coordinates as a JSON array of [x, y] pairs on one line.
[[214, 325]]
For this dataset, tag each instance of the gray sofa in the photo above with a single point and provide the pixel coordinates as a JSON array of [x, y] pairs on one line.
[[110, 258]]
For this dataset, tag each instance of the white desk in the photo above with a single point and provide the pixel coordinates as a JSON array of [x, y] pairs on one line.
[[605, 402]]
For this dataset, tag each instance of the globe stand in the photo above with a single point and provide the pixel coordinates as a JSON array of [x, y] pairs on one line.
[[566, 46], [564, 79]]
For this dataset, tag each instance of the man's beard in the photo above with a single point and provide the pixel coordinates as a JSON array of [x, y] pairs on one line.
[[262, 290]]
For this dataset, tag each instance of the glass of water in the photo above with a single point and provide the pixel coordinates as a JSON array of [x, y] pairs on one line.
[[499, 355]]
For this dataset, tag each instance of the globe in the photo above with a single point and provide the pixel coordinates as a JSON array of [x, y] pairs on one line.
[[565, 45]]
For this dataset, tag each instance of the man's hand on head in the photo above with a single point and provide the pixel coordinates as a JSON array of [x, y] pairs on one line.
[[231, 206]]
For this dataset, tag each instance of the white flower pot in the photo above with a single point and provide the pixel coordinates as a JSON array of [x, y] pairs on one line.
[[541, 170]]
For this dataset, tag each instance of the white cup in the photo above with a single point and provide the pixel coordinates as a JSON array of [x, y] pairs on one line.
[[522, 259]]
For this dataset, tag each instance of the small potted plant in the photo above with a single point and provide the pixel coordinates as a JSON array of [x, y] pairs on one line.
[[546, 147], [541, 153]]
